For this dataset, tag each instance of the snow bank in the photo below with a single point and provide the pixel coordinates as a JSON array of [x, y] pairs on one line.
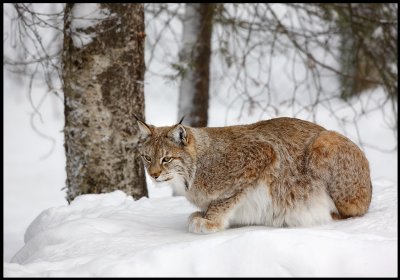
[[113, 235]]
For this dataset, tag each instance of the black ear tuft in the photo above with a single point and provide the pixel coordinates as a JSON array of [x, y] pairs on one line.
[[180, 122], [136, 117]]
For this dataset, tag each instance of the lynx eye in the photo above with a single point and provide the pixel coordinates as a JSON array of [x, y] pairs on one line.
[[166, 159], [147, 158]]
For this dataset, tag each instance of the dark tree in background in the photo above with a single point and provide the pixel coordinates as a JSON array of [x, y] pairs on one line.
[[103, 72], [353, 46], [367, 45], [195, 56]]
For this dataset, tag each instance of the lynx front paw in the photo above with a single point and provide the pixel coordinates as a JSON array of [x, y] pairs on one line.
[[197, 224], [195, 214]]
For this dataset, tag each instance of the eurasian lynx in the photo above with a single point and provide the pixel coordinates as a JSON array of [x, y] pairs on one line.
[[280, 172]]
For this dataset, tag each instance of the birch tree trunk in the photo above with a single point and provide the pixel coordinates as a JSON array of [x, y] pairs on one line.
[[103, 72], [195, 55]]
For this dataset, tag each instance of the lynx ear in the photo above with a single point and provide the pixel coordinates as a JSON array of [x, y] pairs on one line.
[[145, 130], [178, 134]]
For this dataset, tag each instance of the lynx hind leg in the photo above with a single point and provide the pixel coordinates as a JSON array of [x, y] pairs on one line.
[[345, 169]]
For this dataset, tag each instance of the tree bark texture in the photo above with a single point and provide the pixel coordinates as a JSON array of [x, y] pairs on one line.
[[103, 90], [356, 38], [196, 55]]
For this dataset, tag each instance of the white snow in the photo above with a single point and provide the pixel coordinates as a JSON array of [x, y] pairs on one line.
[[113, 235], [34, 167]]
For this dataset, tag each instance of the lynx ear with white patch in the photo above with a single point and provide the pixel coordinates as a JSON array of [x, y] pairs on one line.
[[178, 134], [145, 130]]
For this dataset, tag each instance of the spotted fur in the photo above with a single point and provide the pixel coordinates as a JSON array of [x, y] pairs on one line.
[[279, 172]]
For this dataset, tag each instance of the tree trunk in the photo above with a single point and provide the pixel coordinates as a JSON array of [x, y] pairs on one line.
[[195, 55], [348, 59], [356, 36], [103, 72]]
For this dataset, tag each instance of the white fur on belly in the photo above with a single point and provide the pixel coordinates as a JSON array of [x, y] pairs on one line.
[[256, 208], [314, 211]]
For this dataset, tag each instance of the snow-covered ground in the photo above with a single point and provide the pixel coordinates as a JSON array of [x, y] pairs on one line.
[[33, 174], [113, 235]]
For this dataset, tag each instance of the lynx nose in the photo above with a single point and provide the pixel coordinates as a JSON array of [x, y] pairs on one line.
[[155, 175]]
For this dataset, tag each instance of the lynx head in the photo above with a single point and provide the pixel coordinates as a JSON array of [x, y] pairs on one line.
[[167, 152]]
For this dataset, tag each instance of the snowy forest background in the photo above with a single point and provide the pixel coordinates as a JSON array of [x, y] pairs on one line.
[[266, 61]]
